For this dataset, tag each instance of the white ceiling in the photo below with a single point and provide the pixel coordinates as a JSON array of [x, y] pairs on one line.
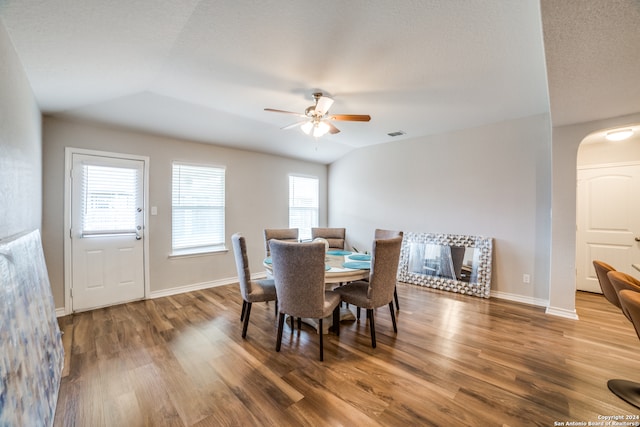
[[205, 70]]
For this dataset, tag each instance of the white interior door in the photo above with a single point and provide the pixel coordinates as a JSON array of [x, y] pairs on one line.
[[608, 222], [107, 230]]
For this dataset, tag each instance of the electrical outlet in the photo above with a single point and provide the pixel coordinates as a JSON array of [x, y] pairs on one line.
[[526, 278]]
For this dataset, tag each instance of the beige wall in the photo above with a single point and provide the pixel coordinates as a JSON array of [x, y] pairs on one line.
[[20, 147], [492, 181], [256, 193]]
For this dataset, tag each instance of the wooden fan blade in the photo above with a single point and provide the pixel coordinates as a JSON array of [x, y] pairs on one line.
[[323, 105], [292, 125], [273, 110], [350, 117], [332, 129]]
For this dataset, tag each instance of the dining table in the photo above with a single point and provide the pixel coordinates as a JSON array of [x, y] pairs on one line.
[[341, 266]]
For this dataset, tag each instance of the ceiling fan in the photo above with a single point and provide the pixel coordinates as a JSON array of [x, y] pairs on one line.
[[317, 118]]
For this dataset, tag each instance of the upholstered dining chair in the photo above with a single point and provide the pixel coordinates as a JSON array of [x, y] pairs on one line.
[[389, 234], [286, 234], [298, 270], [252, 291], [609, 292], [386, 234], [621, 281], [378, 291], [628, 391], [335, 236]]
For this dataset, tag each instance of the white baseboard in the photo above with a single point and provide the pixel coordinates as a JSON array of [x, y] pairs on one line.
[[200, 286], [554, 311], [61, 311], [520, 298], [191, 288], [562, 312]]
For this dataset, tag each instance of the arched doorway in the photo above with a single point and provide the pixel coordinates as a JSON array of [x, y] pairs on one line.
[[607, 204]]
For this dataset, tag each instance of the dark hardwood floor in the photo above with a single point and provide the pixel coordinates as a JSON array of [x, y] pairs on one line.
[[456, 360]]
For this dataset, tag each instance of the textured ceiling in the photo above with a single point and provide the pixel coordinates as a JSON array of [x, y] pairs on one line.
[[592, 51], [205, 70]]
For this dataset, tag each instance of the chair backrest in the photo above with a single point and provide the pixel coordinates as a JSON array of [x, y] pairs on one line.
[[242, 264], [386, 234], [602, 269], [620, 281], [285, 234], [335, 236], [630, 301], [385, 256], [623, 281], [298, 271]]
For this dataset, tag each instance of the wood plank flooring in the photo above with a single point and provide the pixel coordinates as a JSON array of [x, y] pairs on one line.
[[456, 360]]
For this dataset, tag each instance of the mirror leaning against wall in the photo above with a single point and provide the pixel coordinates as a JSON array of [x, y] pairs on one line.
[[450, 262]]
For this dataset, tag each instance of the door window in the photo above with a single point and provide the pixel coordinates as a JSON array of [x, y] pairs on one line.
[[109, 199]]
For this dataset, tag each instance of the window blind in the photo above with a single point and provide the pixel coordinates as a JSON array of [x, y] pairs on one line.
[[198, 207], [109, 196], [303, 204]]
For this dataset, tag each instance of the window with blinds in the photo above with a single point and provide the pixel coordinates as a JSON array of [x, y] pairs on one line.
[[109, 198], [198, 217], [303, 204]]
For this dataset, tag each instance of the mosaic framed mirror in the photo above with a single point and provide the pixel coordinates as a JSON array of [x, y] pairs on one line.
[[450, 262]]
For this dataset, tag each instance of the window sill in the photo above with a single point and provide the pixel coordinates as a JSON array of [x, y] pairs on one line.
[[187, 253]]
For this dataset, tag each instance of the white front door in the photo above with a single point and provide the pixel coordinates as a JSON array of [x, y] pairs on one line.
[[608, 221], [107, 230]]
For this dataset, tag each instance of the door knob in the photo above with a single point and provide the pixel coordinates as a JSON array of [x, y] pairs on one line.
[[637, 239]]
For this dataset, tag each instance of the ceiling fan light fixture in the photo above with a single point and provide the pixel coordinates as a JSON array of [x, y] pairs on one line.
[[319, 129], [619, 134], [306, 127], [318, 120]]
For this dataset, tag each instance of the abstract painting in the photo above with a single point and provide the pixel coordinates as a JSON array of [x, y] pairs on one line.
[[31, 352]]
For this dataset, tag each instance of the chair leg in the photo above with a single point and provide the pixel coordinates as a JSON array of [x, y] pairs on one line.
[[395, 297], [244, 308], [336, 320], [276, 312], [292, 327], [280, 326], [321, 343], [299, 323], [372, 326], [393, 317], [358, 312], [246, 320]]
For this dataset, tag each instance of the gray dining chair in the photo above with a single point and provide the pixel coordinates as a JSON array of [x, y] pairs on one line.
[[285, 234], [298, 270], [251, 291], [378, 291], [335, 236], [389, 234]]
